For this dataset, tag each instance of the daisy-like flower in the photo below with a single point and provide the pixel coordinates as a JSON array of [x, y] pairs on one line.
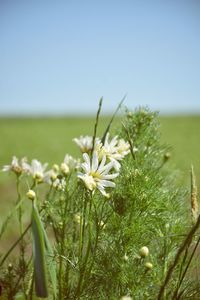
[[69, 164], [96, 175], [85, 143], [16, 166], [50, 176], [115, 150], [36, 169], [123, 148]]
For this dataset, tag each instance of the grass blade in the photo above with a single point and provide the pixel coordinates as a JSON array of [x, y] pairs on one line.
[[39, 255], [51, 264], [96, 123], [112, 118], [5, 223]]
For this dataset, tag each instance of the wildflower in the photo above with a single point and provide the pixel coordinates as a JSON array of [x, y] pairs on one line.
[[85, 143], [59, 184], [55, 168], [31, 195], [64, 168], [70, 163], [115, 150], [50, 176], [36, 169], [17, 166], [123, 148], [144, 252], [96, 175]]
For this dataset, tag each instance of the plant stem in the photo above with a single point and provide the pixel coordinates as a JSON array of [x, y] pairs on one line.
[[187, 266], [185, 243], [21, 244], [15, 243], [83, 266]]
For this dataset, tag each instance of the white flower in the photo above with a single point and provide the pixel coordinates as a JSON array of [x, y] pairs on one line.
[[96, 175], [36, 169], [50, 176], [85, 143], [59, 184], [71, 162], [115, 150], [16, 165], [64, 168], [123, 148]]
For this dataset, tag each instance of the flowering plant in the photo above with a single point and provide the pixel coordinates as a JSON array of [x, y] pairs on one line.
[[102, 226]]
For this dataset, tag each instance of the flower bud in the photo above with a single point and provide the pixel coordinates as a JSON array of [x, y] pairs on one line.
[[130, 114], [125, 257], [64, 168], [148, 266], [56, 168], [10, 267], [126, 298], [60, 224], [144, 252], [167, 156], [53, 176], [31, 195], [38, 176]]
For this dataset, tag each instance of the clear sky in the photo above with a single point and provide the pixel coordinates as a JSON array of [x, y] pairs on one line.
[[62, 56]]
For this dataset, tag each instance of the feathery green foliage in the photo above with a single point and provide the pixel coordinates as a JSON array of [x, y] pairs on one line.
[[134, 238]]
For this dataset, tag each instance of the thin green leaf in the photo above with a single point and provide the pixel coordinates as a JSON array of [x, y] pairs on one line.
[[96, 123], [5, 223], [111, 120], [39, 255], [51, 264]]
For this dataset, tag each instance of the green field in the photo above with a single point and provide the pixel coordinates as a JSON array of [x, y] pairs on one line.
[[49, 139]]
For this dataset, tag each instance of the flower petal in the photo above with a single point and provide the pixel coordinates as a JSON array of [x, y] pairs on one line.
[[95, 162], [106, 183]]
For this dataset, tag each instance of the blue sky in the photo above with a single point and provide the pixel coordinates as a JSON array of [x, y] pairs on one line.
[[62, 56]]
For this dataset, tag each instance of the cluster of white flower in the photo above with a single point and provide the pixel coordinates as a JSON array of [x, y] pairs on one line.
[[114, 150], [100, 167], [105, 158], [38, 171]]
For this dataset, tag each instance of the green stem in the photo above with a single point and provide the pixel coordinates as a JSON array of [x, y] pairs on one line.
[[84, 265], [62, 245], [82, 229], [20, 208], [186, 269], [185, 243], [16, 243]]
